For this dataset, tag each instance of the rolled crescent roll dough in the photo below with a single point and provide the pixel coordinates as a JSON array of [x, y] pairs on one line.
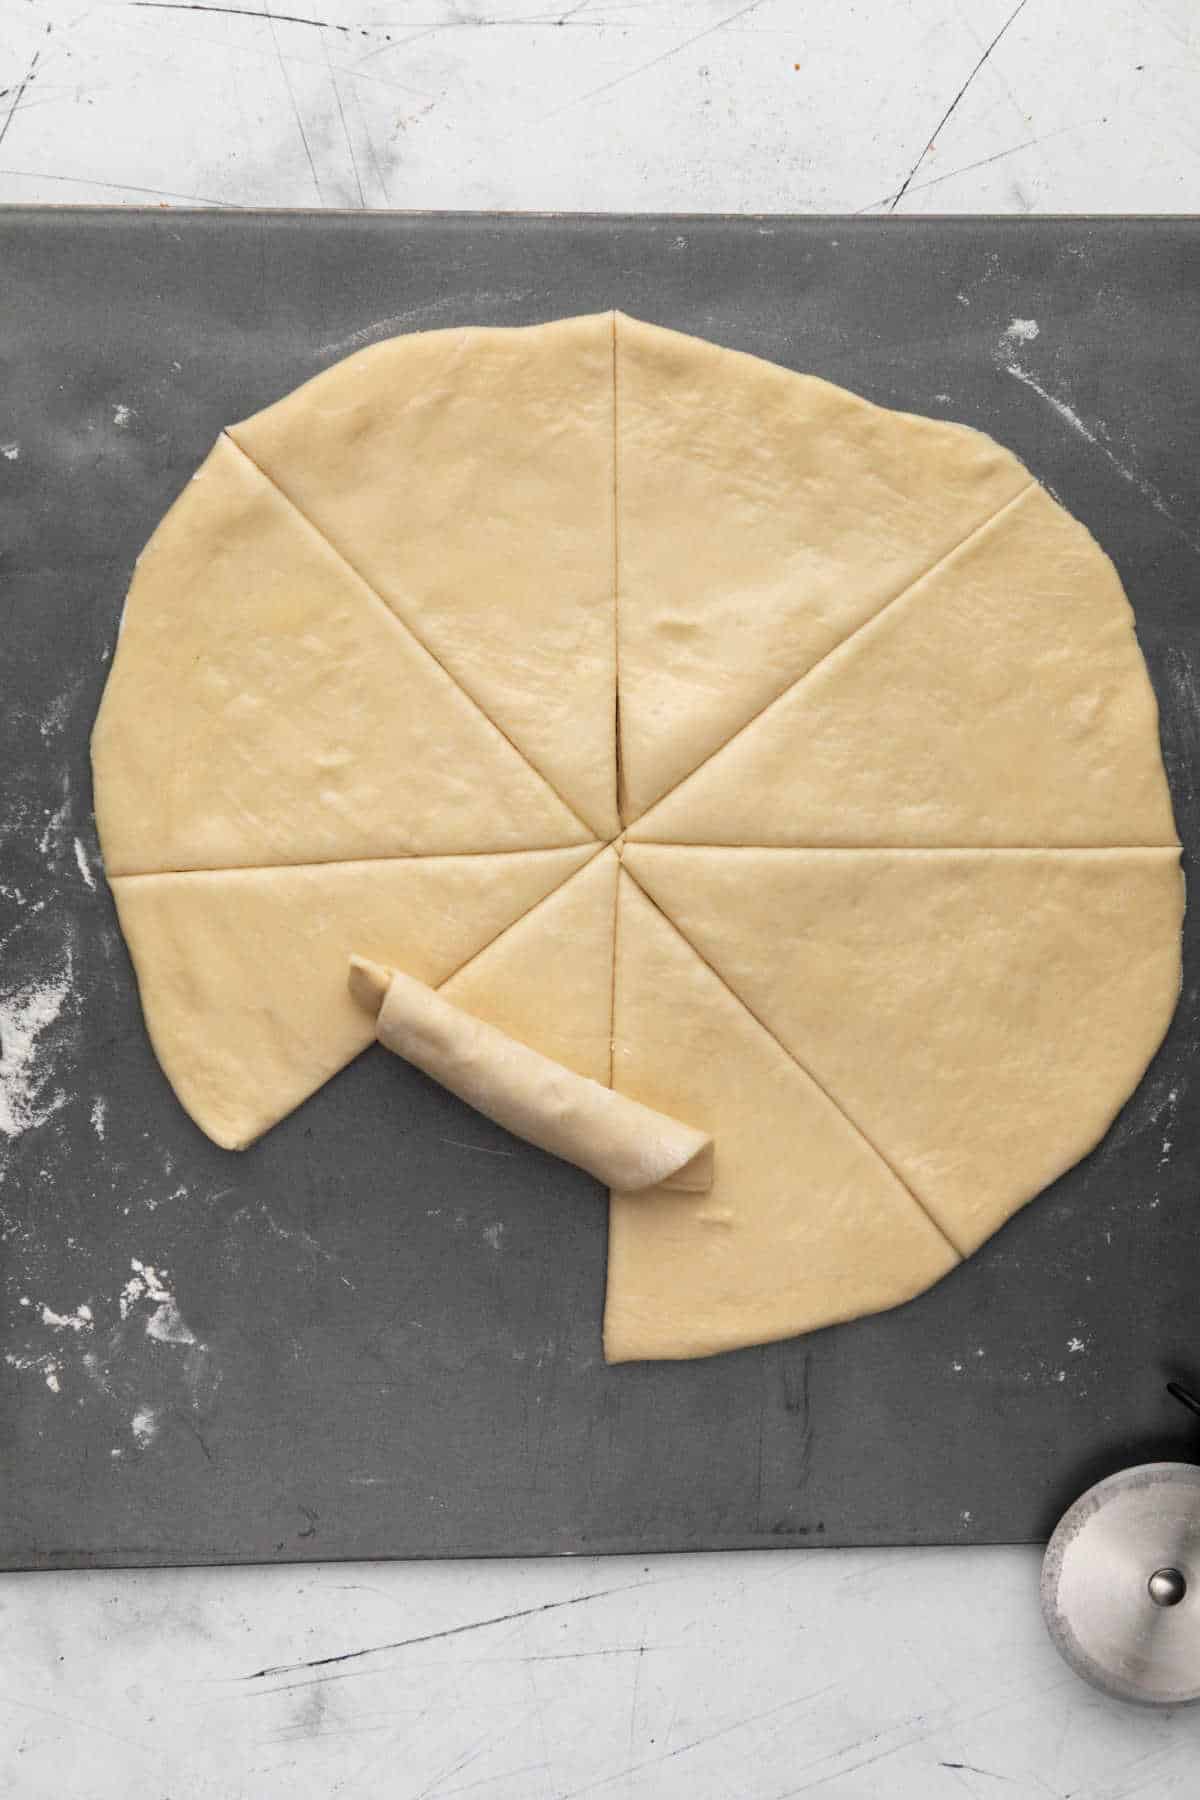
[[622, 1143]]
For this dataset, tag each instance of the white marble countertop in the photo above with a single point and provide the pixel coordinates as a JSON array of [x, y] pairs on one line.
[[602, 105], [848, 1674]]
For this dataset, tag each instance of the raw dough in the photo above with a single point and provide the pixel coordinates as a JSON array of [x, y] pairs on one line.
[[884, 893], [468, 476], [621, 1142], [263, 699], [243, 972], [765, 517], [976, 1014], [805, 1224]]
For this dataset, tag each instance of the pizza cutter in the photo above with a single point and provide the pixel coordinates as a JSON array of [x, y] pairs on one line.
[[1121, 1581]]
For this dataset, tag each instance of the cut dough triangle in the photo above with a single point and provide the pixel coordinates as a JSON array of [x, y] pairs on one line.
[[547, 980], [980, 1015], [265, 707], [763, 517], [243, 973], [468, 476], [1003, 700], [804, 1226]]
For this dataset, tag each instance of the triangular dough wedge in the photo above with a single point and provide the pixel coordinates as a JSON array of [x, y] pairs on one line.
[[1002, 701], [242, 973], [547, 981], [468, 476], [763, 517], [804, 1226], [265, 707], [980, 1015]]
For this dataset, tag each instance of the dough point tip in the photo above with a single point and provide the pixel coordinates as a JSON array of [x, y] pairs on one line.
[[369, 982]]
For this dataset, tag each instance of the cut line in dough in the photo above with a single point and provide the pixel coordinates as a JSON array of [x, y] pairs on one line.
[[980, 1018], [397, 623], [618, 1141], [957, 712], [262, 700], [804, 1225], [499, 442], [242, 974], [766, 516], [435, 642], [791, 687], [629, 873]]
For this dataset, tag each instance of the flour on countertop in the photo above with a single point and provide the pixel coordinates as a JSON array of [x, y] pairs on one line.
[[48, 1367], [144, 1425], [165, 1322], [145, 1281], [167, 1325], [152, 1202], [57, 714], [299, 1236], [89, 880], [423, 317], [1067, 413], [356, 340], [80, 1320], [1154, 1107], [25, 1072], [54, 830]]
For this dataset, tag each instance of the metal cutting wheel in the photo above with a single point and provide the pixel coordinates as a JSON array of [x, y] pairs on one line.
[[1121, 1584]]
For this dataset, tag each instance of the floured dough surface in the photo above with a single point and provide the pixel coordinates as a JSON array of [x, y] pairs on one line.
[[787, 764]]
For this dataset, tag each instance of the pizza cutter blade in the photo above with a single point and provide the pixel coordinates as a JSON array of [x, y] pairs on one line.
[[1121, 1584]]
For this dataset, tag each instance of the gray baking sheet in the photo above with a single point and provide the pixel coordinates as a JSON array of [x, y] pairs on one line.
[[376, 1333]]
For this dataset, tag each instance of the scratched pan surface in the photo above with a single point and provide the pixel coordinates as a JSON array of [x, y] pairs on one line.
[[377, 1332]]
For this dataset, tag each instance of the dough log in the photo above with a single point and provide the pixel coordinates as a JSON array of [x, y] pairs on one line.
[[625, 1145]]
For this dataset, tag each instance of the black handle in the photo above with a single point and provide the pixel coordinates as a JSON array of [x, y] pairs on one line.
[[1178, 1392]]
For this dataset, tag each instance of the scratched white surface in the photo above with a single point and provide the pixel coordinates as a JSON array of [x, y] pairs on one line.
[[1006, 105], [846, 1674]]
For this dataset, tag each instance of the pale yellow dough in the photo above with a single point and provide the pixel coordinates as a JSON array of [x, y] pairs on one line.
[[623, 1143], [882, 889], [242, 972], [468, 476], [263, 699], [978, 1015]]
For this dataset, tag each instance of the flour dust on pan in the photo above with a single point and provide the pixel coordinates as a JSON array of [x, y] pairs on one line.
[[33, 1018]]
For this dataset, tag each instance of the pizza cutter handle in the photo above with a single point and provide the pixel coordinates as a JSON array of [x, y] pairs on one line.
[[1178, 1392]]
